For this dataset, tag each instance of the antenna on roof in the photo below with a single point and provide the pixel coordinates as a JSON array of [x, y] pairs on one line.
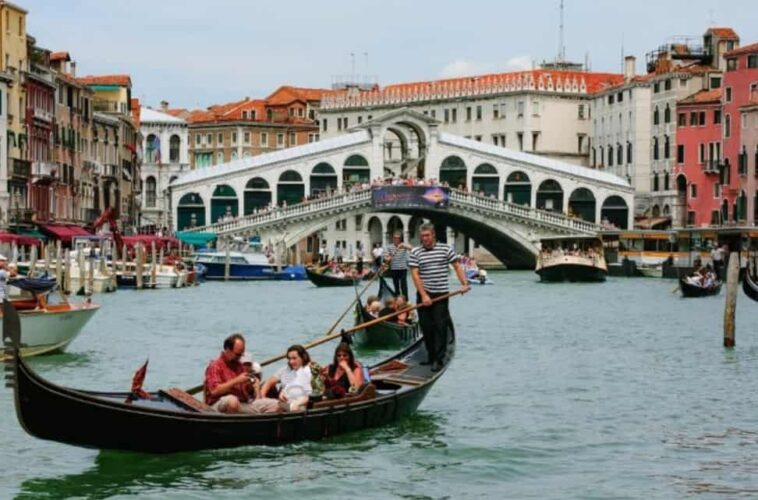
[[711, 18], [622, 52], [352, 66], [561, 46]]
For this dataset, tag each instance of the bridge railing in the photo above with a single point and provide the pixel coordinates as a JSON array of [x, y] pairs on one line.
[[277, 214], [526, 212]]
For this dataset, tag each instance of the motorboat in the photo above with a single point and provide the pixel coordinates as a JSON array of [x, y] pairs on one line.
[[571, 258]]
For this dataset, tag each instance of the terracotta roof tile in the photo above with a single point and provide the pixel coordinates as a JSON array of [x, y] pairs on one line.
[[747, 49], [120, 80], [703, 96], [60, 56], [287, 94], [595, 82], [135, 104], [724, 33]]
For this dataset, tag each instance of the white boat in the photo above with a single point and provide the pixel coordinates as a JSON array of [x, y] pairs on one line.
[[651, 270], [571, 258], [50, 328], [248, 264]]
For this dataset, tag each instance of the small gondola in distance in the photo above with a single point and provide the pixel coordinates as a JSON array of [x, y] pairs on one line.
[[321, 279], [690, 290]]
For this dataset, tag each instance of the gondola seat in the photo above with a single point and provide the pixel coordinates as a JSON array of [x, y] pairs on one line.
[[368, 391], [185, 400]]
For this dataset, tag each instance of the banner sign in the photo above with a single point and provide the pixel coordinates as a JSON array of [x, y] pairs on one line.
[[410, 197]]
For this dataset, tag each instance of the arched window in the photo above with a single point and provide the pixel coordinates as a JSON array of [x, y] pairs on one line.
[[518, 188], [174, 145], [656, 116], [453, 172], [290, 188], [152, 149], [667, 114], [355, 171], [550, 196], [323, 179], [257, 195], [656, 154], [150, 192], [485, 180]]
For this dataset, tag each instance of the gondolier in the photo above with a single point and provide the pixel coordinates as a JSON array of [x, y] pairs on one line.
[[397, 255], [429, 270]]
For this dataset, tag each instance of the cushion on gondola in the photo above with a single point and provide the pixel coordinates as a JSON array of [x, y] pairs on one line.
[[366, 392]]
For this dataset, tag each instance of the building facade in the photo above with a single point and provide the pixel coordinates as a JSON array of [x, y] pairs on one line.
[[165, 156], [544, 112], [739, 97], [698, 159]]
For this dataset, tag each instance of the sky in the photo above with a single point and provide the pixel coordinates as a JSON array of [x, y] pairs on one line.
[[197, 53]]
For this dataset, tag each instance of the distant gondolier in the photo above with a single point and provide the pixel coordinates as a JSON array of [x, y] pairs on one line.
[[429, 270], [397, 254]]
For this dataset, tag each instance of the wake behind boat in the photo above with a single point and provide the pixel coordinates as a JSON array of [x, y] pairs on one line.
[[172, 420]]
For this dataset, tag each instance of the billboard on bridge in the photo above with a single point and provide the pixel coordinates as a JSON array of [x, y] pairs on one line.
[[410, 197]]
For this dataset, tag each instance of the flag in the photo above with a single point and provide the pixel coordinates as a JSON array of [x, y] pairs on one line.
[[137, 391]]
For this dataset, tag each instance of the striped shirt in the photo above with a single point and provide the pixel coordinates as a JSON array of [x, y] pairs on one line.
[[433, 266], [399, 257]]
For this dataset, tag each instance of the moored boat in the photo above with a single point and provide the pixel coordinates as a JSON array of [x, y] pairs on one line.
[[573, 259], [171, 420], [750, 283], [322, 279]]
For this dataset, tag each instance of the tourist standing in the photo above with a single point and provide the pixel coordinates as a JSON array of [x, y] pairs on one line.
[[717, 258], [378, 253], [397, 255], [429, 270], [359, 258]]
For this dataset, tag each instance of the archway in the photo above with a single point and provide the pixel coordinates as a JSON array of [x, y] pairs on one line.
[[257, 195], [485, 181], [615, 211], [453, 172], [190, 211], [290, 188], [582, 204], [550, 196], [323, 179], [518, 188], [656, 211], [394, 225], [356, 170], [375, 231], [224, 203]]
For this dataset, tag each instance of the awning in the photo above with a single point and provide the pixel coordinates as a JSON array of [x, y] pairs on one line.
[[59, 232], [653, 223], [197, 239], [32, 233], [78, 230], [18, 239], [148, 239]]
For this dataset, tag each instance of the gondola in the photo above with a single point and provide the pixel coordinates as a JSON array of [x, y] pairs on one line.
[[320, 279], [172, 420], [749, 284], [690, 290], [386, 334]]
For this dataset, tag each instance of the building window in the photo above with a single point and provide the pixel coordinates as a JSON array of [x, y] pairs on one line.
[[478, 113], [680, 153], [667, 84], [752, 61], [495, 111], [619, 155], [293, 139], [728, 94], [610, 99], [520, 136], [433, 114], [693, 190], [220, 139], [150, 191], [728, 126], [656, 116], [693, 119], [701, 153], [610, 156], [454, 115], [468, 113], [731, 64], [209, 139], [667, 114], [717, 190], [717, 117], [656, 87], [325, 125], [219, 158], [360, 119], [520, 109], [581, 111], [629, 153], [620, 97], [264, 139], [702, 118], [234, 137], [743, 120], [447, 116], [197, 139], [478, 138], [666, 147], [247, 137], [655, 148], [535, 139], [681, 120], [580, 143], [174, 145], [279, 140]]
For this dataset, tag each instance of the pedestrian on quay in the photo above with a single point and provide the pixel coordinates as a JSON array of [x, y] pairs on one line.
[[429, 270], [397, 256], [378, 253]]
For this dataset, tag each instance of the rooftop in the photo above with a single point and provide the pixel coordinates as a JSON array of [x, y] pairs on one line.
[[703, 97], [747, 49], [724, 33], [149, 115], [118, 80], [60, 56]]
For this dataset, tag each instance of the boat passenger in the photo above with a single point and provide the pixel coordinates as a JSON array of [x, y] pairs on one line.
[[405, 317], [254, 372], [294, 380], [344, 375], [389, 306], [227, 386], [374, 307]]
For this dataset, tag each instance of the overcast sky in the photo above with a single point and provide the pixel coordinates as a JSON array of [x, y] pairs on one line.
[[196, 53]]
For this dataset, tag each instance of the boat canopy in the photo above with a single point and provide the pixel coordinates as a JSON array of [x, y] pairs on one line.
[[18, 239], [197, 239]]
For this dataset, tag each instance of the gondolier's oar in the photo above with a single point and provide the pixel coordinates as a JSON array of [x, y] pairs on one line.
[[350, 307], [349, 331]]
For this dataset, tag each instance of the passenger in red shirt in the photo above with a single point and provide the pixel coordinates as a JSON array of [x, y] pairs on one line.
[[227, 382]]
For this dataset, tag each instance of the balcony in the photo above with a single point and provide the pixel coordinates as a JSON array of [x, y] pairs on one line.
[[44, 169], [41, 114], [110, 171], [20, 169], [712, 166]]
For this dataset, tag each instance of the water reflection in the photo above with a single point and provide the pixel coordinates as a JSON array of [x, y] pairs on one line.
[[124, 473]]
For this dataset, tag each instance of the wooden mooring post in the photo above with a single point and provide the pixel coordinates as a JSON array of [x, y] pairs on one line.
[[138, 266], [227, 264], [732, 283]]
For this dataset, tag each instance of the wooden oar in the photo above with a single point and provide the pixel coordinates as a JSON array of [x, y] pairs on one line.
[[349, 331], [350, 307]]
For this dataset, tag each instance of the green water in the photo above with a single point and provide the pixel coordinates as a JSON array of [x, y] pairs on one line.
[[614, 390]]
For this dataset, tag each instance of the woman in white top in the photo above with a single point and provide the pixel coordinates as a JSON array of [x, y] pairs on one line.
[[294, 380]]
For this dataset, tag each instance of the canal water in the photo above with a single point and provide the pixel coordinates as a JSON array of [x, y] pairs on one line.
[[614, 390]]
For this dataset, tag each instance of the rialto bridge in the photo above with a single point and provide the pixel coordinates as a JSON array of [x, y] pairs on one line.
[[503, 199]]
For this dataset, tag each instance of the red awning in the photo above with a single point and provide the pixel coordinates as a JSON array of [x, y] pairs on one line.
[[57, 231], [78, 230], [18, 240]]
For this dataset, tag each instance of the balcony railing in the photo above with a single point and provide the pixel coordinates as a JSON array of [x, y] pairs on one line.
[[44, 169], [43, 115], [712, 166], [110, 171]]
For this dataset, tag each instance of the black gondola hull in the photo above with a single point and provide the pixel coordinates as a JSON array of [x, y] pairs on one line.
[[572, 273], [105, 421], [324, 280], [750, 286]]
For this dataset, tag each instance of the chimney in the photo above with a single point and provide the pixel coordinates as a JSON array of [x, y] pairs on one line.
[[73, 69], [164, 105], [630, 63]]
